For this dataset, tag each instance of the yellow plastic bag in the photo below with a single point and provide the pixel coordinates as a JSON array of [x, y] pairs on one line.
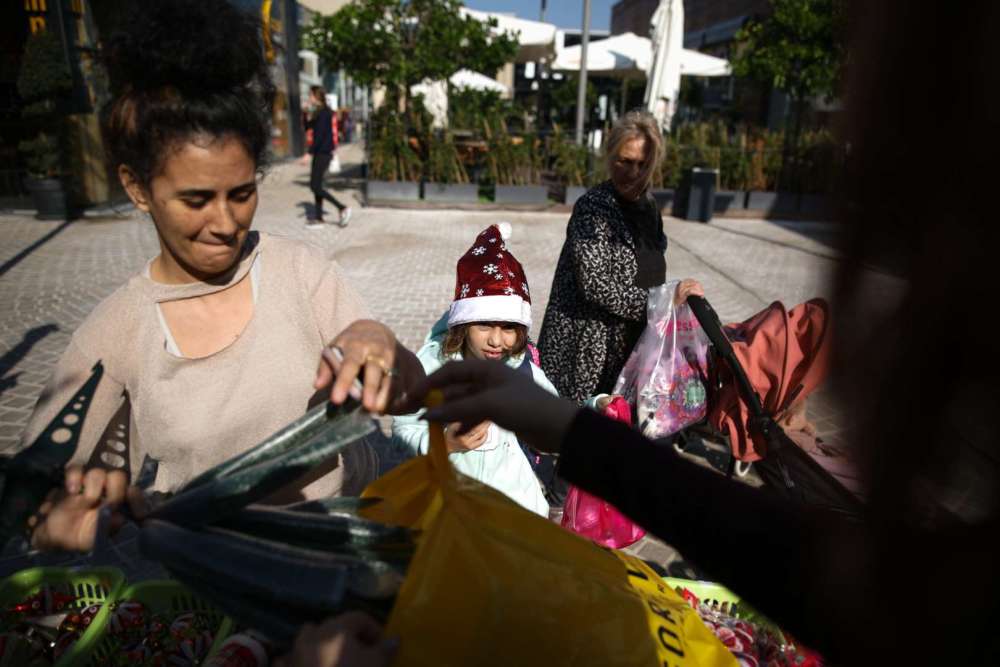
[[494, 584]]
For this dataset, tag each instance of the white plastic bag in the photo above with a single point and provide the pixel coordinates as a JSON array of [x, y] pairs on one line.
[[334, 165], [664, 378]]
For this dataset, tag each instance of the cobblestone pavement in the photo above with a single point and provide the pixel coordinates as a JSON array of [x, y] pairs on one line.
[[402, 261]]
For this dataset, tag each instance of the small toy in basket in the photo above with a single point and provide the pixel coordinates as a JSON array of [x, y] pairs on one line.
[[161, 622], [54, 616], [243, 649], [750, 637]]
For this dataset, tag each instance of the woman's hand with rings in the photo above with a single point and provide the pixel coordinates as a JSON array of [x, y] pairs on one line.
[[369, 353]]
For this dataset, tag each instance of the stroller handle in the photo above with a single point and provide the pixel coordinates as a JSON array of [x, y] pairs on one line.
[[709, 321]]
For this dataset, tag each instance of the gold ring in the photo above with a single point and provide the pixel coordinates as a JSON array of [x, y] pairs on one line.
[[389, 372]]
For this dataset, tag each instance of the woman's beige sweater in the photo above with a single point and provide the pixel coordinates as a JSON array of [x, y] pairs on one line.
[[191, 414]]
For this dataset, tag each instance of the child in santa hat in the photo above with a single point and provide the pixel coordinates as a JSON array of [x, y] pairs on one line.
[[488, 319]]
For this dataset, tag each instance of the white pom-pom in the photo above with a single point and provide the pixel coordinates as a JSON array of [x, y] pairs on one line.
[[505, 230]]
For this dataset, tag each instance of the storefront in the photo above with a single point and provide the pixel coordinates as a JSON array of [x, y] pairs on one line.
[[281, 39], [79, 25]]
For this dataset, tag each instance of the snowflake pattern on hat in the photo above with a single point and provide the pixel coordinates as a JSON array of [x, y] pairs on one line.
[[490, 286]]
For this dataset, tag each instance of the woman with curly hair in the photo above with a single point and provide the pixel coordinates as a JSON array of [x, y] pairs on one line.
[[226, 334]]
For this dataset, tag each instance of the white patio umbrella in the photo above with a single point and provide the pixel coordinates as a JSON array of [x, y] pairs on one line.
[[696, 63], [626, 55], [664, 82], [435, 93], [465, 78], [630, 55], [537, 40]]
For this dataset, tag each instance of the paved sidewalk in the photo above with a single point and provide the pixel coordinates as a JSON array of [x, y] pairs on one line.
[[402, 261]]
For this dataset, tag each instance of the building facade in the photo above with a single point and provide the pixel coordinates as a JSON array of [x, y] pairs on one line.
[[708, 22], [632, 16], [80, 25]]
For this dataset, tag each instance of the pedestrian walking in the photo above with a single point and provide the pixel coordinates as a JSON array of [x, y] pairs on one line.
[[323, 125]]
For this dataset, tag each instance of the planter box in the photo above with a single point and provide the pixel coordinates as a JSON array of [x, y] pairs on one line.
[[761, 201], [49, 198], [664, 198], [786, 203], [451, 193], [392, 191], [819, 206], [773, 203], [726, 200], [574, 192], [522, 194]]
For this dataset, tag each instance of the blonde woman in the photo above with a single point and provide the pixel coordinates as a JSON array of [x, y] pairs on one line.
[[614, 252]]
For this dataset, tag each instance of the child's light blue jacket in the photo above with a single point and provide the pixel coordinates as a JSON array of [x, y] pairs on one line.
[[499, 462]]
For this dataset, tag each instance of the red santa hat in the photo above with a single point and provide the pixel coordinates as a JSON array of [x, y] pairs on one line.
[[490, 286]]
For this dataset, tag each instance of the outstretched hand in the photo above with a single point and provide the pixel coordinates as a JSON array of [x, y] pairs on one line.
[[476, 390]]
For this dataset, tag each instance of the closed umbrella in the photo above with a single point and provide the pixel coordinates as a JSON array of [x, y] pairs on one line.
[[664, 82]]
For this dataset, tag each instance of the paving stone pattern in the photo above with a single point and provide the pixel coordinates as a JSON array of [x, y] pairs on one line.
[[402, 261]]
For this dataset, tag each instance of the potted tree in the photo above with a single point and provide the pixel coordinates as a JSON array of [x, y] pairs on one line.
[[44, 83]]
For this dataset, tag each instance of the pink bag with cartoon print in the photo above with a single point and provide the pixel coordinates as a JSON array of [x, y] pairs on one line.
[[596, 519]]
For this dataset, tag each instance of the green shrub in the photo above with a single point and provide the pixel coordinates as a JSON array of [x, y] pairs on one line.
[[44, 83]]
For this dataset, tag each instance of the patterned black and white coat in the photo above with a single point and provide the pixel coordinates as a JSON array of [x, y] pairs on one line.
[[595, 312]]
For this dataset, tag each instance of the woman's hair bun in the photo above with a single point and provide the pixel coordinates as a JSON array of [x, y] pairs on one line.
[[195, 46]]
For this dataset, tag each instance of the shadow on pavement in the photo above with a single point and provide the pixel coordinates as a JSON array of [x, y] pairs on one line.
[[825, 233], [308, 209], [20, 351], [16, 259]]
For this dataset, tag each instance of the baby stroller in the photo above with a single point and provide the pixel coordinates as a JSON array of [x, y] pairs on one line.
[[781, 464]]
